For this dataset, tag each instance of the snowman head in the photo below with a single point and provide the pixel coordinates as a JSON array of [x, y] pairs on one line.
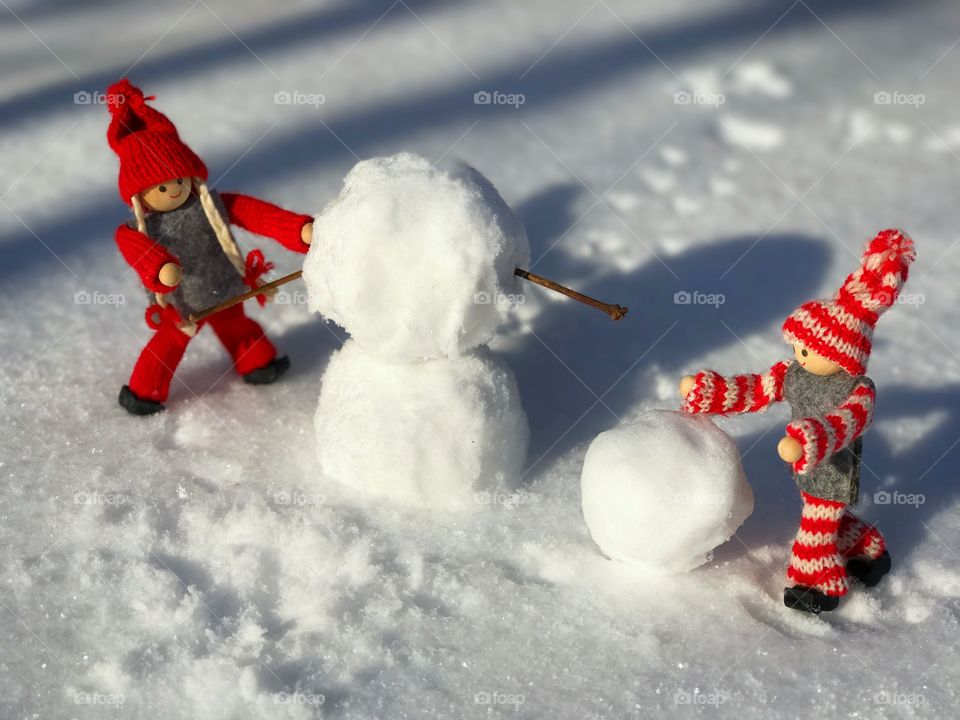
[[413, 261]]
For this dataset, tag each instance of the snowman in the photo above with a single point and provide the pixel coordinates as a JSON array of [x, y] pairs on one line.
[[417, 264]]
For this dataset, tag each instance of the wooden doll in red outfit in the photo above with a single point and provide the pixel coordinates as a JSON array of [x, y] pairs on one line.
[[180, 245]]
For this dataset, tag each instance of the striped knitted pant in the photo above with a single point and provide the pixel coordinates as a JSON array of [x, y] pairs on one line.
[[829, 535]]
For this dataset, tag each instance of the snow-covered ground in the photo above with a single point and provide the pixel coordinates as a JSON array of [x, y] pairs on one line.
[[196, 564]]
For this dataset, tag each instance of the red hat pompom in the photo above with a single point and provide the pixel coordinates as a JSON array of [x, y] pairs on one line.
[[884, 269], [841, 329], [147, 143]]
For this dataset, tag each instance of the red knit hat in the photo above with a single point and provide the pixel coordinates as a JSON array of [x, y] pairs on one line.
[[147, 143], [840, 329]]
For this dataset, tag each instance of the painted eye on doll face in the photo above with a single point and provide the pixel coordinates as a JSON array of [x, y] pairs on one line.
[[173, 191], [168, 195], [813, 363]]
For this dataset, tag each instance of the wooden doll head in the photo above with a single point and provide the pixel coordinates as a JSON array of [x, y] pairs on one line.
[[813, 363], [168, 195]]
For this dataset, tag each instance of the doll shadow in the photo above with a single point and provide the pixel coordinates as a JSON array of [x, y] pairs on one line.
[[776, 513], [925, 467], [571, 354], [309, 345]]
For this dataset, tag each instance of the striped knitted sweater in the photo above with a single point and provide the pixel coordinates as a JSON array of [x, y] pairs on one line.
[[829, 413]]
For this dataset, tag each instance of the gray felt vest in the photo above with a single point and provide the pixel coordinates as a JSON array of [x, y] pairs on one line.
[[208, 275], [838, 476]]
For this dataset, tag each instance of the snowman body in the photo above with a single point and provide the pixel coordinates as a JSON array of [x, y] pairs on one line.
[[417, 265]]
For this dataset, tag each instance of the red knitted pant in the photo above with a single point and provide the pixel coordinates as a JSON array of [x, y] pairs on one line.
[[242, 337], [829, 535]]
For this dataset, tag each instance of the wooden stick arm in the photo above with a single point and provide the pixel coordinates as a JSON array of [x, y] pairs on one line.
[[236, 300], [616, 312]]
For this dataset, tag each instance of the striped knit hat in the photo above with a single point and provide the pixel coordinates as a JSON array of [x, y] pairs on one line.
[[147, 143], [840, 329]]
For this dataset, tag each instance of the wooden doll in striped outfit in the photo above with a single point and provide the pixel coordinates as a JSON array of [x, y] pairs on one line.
[[831, 399]]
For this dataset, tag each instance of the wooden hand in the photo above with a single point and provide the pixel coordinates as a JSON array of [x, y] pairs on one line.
[[170, 274], [789, 450]]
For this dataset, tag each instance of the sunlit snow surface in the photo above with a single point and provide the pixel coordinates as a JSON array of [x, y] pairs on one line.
[[711, 165]]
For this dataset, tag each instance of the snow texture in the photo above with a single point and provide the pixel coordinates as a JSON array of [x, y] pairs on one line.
[[416, 263], [413, 261], [441, 433], [194, 563], [663, 491]]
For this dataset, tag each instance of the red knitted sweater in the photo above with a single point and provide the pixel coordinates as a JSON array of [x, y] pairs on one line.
[[146, 257]]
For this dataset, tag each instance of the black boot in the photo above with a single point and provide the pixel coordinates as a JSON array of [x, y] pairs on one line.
[[869, 572], [137, 405], [809, 600], [269, 372]]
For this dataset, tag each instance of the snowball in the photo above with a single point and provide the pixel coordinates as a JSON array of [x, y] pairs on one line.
[[415, 262], [436, 433], [664, 491]]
